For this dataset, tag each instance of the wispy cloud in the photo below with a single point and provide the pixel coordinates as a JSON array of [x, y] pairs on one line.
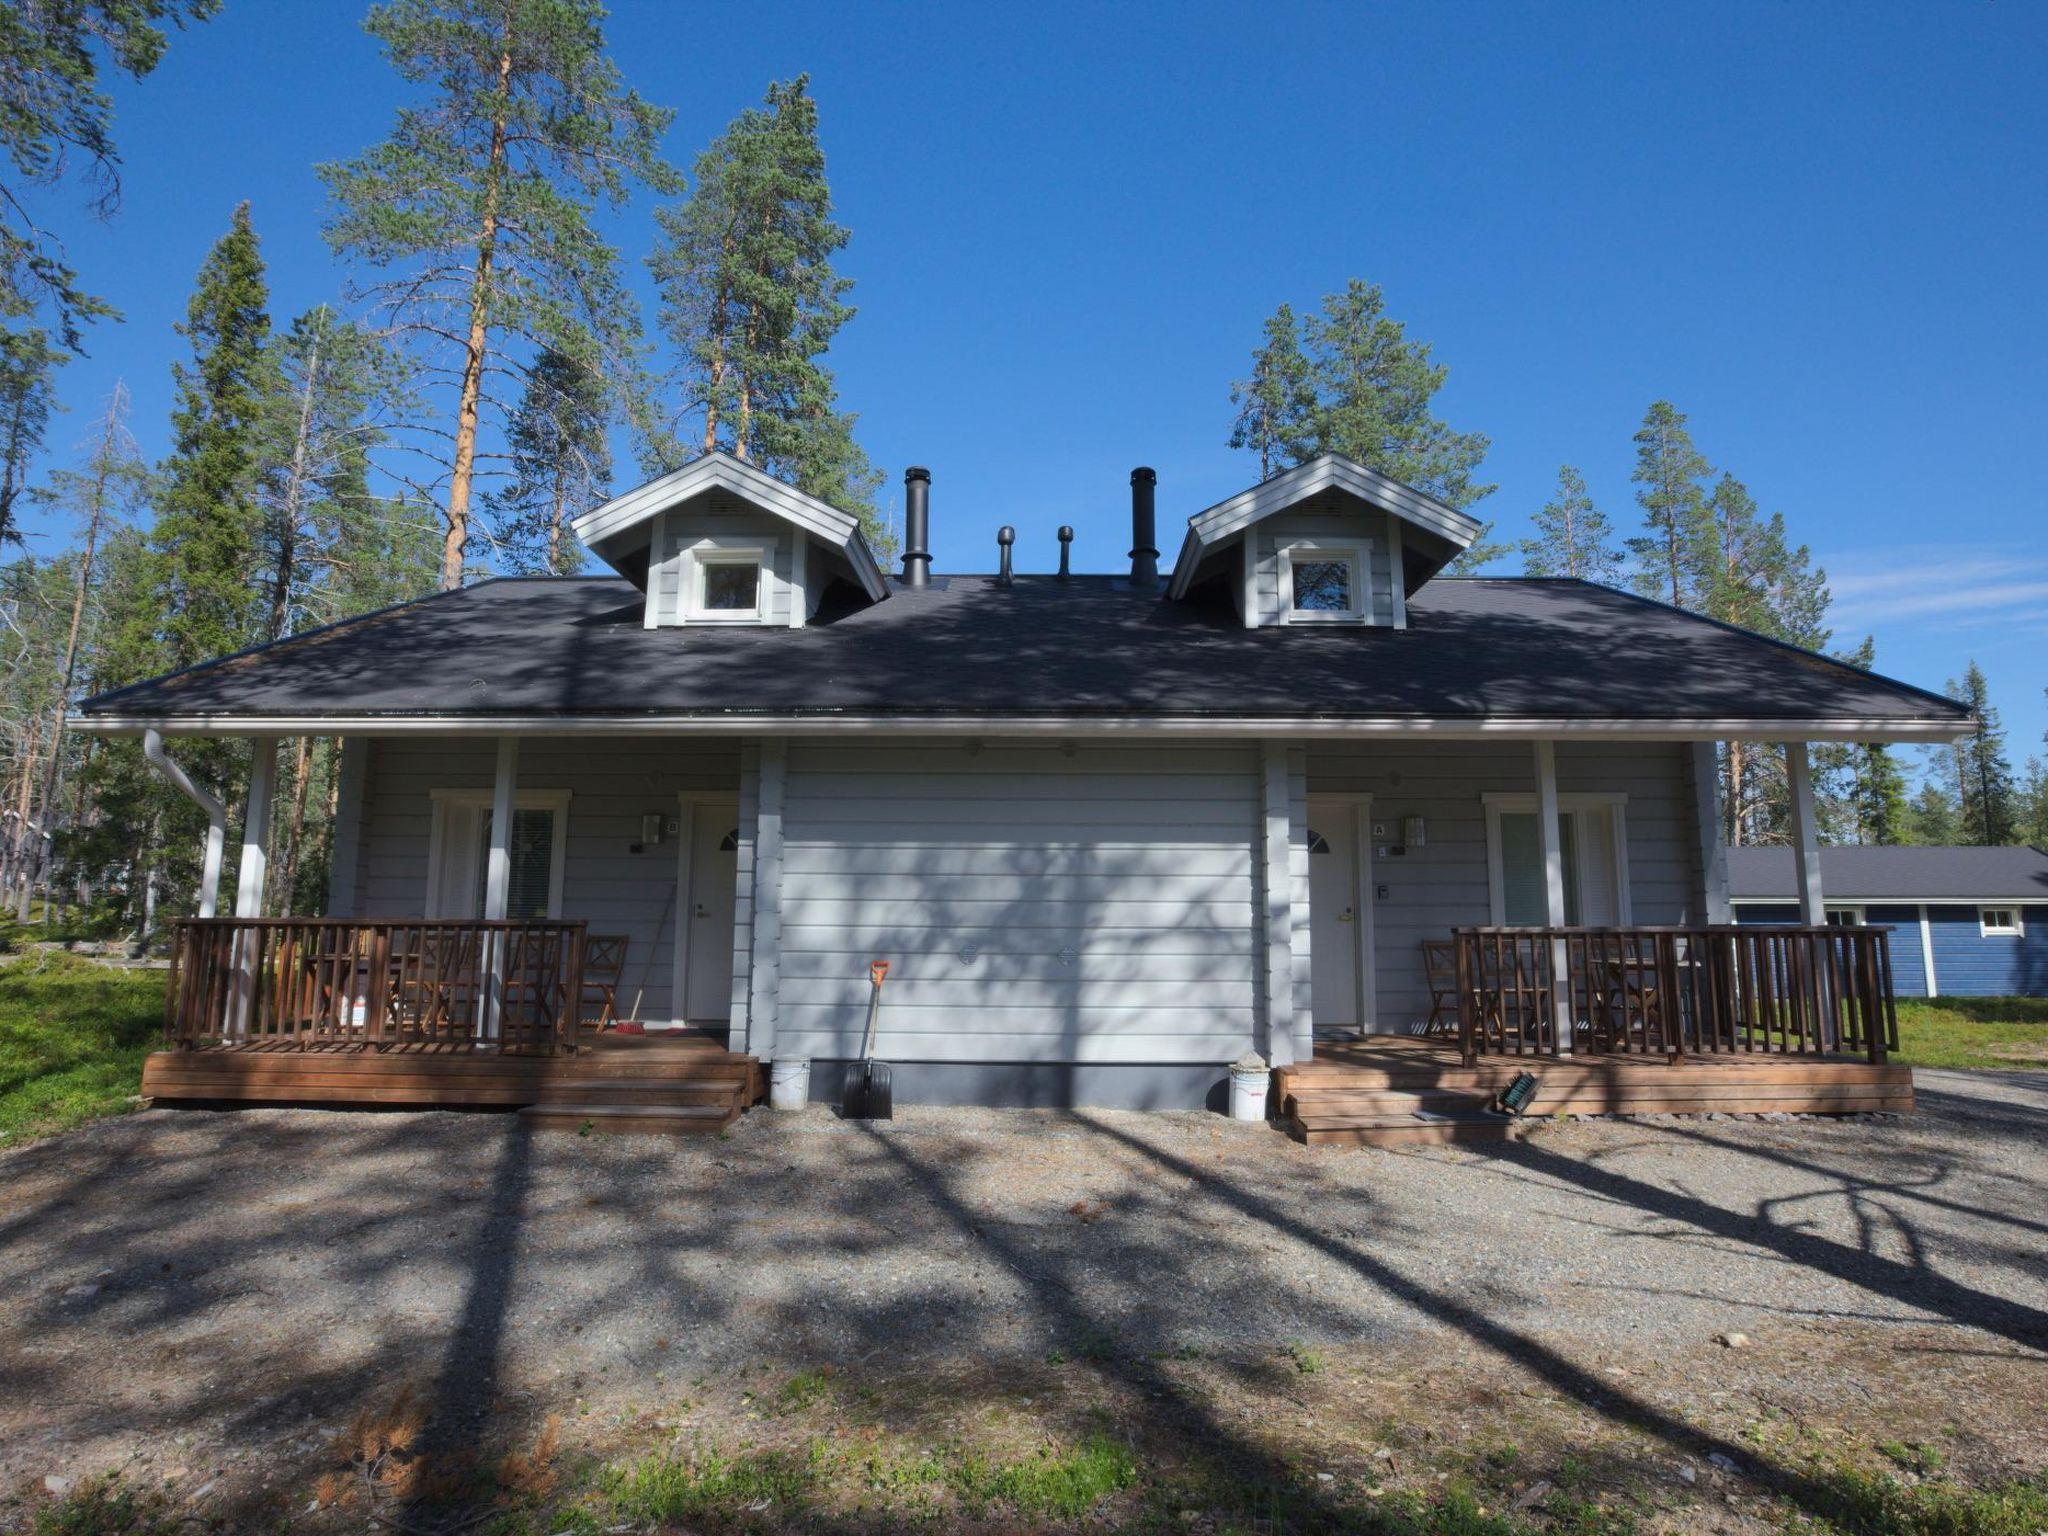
[[1943, 587]]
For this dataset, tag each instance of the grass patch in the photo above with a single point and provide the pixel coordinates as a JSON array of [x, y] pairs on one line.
[[1877, 1504], [72, 1038], [1059, 1485], [1974, 1032], [662, 1488], [104, 1508]]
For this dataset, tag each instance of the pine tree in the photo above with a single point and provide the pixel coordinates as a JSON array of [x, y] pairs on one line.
[[1276, 405], [57, 122], [1374, 389], [339, 392], [1573, 537], [204, 542], [1674, 553], [1931, 817], [1985, 796], [28, 393], [2033, 804], [100, 498], [480, 203], [561, 464], [750, 302], [1878, 797]]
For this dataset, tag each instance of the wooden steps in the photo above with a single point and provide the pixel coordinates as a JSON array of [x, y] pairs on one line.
[[643, 1083], [629, 1119], [1391, 1091]]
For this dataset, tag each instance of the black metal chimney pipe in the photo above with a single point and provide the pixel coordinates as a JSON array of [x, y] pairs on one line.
[[1066, 548], [1144, 534], [917, 527], [1005, 537]]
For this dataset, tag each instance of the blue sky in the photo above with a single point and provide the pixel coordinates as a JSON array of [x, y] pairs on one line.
[[1817, 228]]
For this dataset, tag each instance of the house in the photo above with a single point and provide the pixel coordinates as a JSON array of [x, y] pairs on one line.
[[1969, 922], [1112, 831]]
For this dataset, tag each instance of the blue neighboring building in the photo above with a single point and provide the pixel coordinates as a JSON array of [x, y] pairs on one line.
[[1967, 922]]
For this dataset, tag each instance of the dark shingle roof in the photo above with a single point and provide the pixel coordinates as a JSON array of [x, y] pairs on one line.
[[1906, 874], [1474, 649]]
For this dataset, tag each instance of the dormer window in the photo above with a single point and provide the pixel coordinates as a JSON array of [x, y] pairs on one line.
[[728, 585], [1324, 583]]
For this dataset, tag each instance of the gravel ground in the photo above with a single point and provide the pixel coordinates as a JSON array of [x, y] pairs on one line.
[[205, 1278]]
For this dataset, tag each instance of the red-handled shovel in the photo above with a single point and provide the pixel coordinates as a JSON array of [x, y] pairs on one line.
[[869, 1095]]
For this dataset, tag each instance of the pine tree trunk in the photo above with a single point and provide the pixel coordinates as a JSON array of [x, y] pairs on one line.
[[24, 833], [469, 405], [302, 773], [294, 500], [1734, 810]]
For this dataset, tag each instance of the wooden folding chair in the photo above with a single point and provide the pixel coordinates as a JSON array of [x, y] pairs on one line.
[[604, 965], [1440, 968]]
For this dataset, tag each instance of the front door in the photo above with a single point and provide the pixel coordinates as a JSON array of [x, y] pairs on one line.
[[1337, 923], [707, 912]]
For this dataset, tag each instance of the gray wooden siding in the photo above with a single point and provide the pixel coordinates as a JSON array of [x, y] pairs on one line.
[[611, 784], [721, 520], [1444, 884], [1037, 904], [1335, 520]]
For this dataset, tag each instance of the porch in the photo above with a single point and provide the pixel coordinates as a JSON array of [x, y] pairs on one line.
[[425, 1014], [1681, 1020]]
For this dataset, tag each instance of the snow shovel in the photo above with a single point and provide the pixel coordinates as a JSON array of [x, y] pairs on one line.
[[868, 1094]]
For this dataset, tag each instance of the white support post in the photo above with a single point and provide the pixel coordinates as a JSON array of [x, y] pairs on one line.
[[1805, 836], [1279, 907], [1706, 810], [249, 876], [1550, 840], [766, 984], [498, 867], [255, 864], [498, 882]]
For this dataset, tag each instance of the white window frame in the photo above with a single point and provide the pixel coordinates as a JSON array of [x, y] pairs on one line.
[[1842, 909], [1615, 803], [1986, 929], [703, 556], [1356, 552], [475, 803]]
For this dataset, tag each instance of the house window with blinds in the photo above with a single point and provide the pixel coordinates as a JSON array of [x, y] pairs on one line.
[[459, 860], [1595, 876]]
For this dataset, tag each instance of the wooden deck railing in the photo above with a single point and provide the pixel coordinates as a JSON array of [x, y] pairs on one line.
[[1676, 992], [314, 982]]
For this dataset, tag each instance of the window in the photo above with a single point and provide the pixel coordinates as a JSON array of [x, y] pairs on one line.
[[727, 585], [1845, 917], [1999, 922], [1323, 583], [1592, 840], [459, 845], [1317, 843]]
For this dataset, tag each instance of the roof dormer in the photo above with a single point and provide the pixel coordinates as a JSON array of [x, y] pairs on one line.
[[1327, 542], [720, 542]]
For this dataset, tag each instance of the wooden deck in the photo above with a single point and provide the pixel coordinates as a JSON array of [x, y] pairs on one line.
[[644, 1083], [1392, 1090]]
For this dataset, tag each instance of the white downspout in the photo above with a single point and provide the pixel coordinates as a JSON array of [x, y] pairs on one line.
[[216, 817]]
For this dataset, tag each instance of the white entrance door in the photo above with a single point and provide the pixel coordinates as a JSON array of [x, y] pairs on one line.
[[709, 877], [1339, 926]]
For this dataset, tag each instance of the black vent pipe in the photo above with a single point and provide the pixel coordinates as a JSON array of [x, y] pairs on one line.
[[1005, 537], [1144, 535], [1066, 548], [917, 527]]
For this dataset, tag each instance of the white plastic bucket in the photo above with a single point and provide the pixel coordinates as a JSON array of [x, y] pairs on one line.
[[789, 1084], [1248, 1089]]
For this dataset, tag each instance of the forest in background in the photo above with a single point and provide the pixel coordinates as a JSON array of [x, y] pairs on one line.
[[482, 366]]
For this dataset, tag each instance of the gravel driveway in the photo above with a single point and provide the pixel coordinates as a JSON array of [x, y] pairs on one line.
[[182, 1274]]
